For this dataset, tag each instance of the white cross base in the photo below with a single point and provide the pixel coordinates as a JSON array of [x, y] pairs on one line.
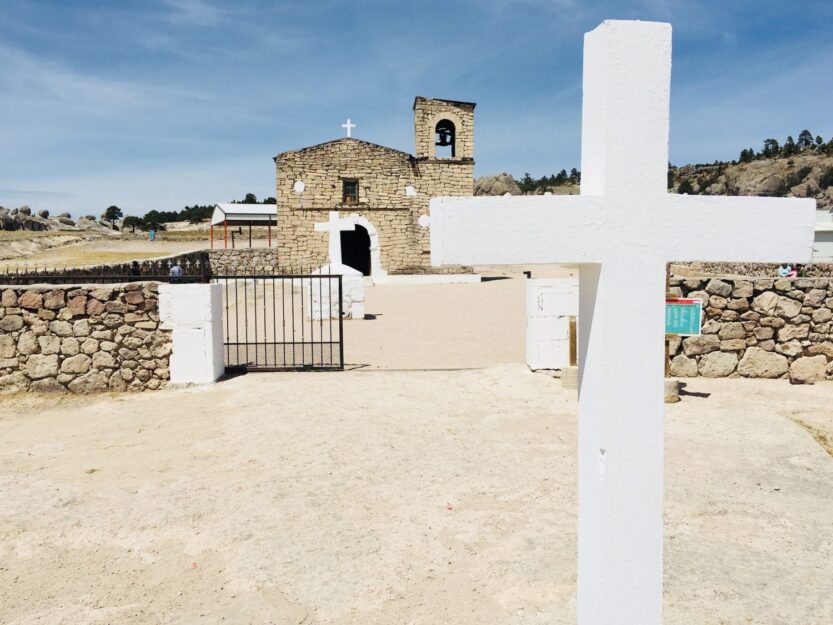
[[334, 226], [622, 230]]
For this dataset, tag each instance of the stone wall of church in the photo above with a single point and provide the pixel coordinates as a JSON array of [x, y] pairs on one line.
[[383, 176]]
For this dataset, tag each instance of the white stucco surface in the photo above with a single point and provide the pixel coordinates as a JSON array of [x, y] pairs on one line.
[[448, 278], [325, 300], [194, 314], [550, 302], [622, 229]]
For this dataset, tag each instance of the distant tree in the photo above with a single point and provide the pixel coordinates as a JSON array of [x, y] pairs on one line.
[[771, 148], [575, 175], [112, 214], [746, 156], [132, 222], [685, 188], [250, 198], [819, 141], [527, 183], [805, 140], [670, 177], [270, 200], [790, 148]]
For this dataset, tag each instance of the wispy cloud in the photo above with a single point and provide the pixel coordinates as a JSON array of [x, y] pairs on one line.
[[195, 12]]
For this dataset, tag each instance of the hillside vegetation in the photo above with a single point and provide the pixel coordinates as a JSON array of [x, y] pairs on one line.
[[802, 168]]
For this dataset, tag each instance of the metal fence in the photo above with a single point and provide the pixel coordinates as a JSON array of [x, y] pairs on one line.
[[189, 268], [282, 322]]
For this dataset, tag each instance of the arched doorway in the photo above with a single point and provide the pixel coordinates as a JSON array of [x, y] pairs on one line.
[[355, 249]]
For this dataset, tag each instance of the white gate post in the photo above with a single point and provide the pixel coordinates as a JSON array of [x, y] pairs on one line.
[[195, 314], [550, 302]]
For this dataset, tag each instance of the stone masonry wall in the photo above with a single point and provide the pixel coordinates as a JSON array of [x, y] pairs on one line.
[[245, 261], [757, 328], [82, 339]]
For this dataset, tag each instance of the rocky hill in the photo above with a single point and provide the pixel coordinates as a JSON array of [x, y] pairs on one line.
[[23, 218], [806, 174]]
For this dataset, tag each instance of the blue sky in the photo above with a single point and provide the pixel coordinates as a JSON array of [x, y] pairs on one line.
[[156, 104]]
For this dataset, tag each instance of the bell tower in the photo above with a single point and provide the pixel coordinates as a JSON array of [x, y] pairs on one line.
[[444, 130]]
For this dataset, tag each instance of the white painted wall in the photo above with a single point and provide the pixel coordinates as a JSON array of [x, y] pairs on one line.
[[194, 313], [550, 302]]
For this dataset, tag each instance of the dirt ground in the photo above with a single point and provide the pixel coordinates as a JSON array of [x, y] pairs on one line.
[[433, 482]]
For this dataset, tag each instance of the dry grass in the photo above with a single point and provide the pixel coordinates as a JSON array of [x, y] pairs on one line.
[[14, 235], [80, 257]]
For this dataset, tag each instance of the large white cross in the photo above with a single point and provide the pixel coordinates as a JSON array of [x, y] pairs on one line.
[[334, 226], [622, 230], [348, 126]]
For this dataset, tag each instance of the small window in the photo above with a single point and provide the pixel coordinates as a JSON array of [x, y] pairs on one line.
[[350, 192]]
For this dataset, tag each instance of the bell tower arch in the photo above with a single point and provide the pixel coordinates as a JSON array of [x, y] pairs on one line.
[[444, 130]]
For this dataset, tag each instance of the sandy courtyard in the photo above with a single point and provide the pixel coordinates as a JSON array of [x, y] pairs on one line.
[[388, 495]]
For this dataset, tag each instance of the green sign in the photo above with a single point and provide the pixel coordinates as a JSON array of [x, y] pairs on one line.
[[683, 316]]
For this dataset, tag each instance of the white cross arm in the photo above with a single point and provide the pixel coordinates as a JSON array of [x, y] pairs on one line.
[[515, 230], [739, 229]]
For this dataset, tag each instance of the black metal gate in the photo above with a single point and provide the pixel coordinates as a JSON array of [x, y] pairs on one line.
[[282, 322]]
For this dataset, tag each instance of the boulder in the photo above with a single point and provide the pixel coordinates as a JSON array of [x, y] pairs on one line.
[[825, 348], [790, 349], [815, 297], [80, 363], [8, 346], [718, 287], [92, 382], [787, 308], [49, 344], [743, 289], [765, 303], [61, 328], [822, 315], [8, 299], [54, 300], [47, 385], [81, 328], [717, 364], [808, 369], [787, 333], [27, 343], [683, 367], [31, 300], [703, 344], [758, 363], [14, 383], [39, 366], [11, 323], [69, 346], [103, 360], [732, 330]]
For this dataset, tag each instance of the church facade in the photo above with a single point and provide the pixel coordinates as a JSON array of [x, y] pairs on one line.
[[381, 192]]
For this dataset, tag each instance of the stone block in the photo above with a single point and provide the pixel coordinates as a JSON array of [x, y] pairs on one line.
[[790, 332], [42, 366], [758, 363], [11, 323], [54, 300], [808, 369], [8, 346], [732, 330], [31, 300], [92, 382], [80, 363], [717, 364], [703, 344]]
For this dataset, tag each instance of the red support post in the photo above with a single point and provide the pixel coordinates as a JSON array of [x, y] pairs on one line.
[[269, 233], [225, 234], [212, 236]]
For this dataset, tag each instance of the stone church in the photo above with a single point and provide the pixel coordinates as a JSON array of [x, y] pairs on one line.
[[380, 191]]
